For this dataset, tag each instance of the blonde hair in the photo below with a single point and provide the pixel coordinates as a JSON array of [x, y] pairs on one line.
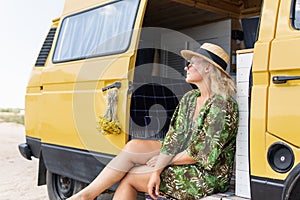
[[221, 84]]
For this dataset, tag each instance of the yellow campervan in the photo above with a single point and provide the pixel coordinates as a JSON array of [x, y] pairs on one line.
[[123, 56]]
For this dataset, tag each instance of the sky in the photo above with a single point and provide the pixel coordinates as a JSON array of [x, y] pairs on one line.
[[25, 25]]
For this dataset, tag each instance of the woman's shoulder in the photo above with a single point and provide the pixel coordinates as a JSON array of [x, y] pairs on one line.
[[190, 96], [226, 102], [224, 98]]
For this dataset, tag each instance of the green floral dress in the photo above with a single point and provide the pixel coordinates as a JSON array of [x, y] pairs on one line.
[[209, 139]]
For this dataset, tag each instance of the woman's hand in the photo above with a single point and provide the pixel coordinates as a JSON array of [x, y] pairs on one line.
[[153, 185], [152, 161], [161, 162]]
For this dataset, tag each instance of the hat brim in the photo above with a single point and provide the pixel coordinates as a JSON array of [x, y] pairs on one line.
[[188, 54]]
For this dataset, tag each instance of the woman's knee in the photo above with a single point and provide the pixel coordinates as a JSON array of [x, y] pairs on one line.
[[142, 146], [136, 180], [140, 151], [132, 145]]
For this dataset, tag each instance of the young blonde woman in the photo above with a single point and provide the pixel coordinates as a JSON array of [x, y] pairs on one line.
[[197, 154]]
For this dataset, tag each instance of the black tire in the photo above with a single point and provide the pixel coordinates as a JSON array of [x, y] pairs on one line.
[[61, 187]]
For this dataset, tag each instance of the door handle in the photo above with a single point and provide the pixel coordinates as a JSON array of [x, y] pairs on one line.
[[284, 79], [114, 85]]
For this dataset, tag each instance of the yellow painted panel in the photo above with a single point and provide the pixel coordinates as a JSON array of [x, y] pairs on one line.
[[72, 6], [257, 130], [260, 78], [70, 117], [33, 103], [104, 68], [261, 56], [285, 54], [32, 117], [268, 20], [284, 112], [35, 77], [284, 27]]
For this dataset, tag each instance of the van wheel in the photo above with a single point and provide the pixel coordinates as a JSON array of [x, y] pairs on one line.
[[61, 187]]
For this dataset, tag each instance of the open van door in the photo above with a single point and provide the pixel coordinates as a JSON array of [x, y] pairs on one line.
[[274, 125], [282, 139], [284, 93], [94, 50]]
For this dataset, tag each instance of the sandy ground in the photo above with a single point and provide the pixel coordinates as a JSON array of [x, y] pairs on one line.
[[18, 176]]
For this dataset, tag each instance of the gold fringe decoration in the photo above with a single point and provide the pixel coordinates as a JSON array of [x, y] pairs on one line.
[[108, 124]]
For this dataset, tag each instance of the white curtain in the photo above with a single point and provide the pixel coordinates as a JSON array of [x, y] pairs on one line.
[[101, 31], [297, 15]]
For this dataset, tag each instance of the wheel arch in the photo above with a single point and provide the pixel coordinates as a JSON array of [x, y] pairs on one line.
[[78, 164], [292, 184]]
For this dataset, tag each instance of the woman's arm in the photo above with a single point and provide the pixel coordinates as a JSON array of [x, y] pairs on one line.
[[183, 158]]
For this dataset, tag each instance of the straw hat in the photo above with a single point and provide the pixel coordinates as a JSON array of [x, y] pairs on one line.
[[211, 53]]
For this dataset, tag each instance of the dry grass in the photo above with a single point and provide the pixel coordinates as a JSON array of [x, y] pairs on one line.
[[11, 115]]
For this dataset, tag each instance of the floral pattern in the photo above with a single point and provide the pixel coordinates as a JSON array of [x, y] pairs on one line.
[[209, 139]]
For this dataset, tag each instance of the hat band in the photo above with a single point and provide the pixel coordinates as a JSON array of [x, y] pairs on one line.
[[213, 57]]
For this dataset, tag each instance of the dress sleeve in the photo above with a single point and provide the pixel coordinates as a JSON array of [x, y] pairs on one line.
[[173, 141], [219, 128]]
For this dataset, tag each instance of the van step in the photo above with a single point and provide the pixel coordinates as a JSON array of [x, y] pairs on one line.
[[218, 196], [224, 196]]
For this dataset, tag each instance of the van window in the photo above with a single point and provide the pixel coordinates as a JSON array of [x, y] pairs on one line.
[[101, 31], [296, 14]]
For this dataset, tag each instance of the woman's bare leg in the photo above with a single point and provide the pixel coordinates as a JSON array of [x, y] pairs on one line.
[[136, 180], [135, 152]]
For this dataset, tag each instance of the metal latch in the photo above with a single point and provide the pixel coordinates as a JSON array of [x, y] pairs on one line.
[[114, 85]]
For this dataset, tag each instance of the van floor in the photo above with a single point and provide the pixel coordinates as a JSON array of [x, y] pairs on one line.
[[142, 196]]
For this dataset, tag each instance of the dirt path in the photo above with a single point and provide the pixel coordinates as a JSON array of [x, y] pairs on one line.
[[18, 176]]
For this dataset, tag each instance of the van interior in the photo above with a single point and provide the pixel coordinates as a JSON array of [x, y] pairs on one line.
[[170, 26]]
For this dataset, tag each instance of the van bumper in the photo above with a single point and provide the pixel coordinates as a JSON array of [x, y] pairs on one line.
[[25, 151], [32, 147]]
